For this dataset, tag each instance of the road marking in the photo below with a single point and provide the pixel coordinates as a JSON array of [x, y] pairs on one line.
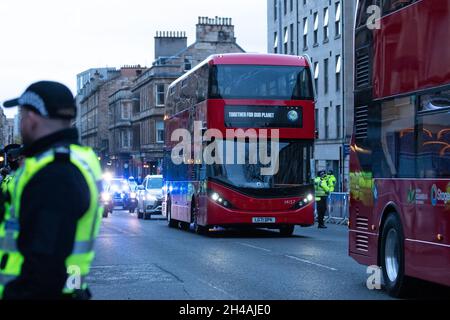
[[254, 247], [310, 262], [218, 289]]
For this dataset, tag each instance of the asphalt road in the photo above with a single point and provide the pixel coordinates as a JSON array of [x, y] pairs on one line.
[[146, 260]]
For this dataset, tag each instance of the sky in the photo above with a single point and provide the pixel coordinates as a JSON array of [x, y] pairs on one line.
[[56, 40]]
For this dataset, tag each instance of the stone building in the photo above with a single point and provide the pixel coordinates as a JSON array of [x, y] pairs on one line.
[[93, 107], [172, 59], [321, 29], [3, 128]]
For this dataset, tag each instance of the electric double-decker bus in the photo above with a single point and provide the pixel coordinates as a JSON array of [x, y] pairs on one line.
[[227, 103], [400, 150]]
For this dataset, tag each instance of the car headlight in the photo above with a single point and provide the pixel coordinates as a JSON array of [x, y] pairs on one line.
[[106, 196], [133, 195], [151, 197], [217, 198]]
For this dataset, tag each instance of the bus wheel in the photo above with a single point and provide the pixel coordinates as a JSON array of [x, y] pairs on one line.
[[198, 229], [287, 231], [393, 258], [170, 222]]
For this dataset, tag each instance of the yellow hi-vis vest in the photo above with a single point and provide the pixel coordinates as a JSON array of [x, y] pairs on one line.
[[79, 262], [6, 190], [321, 188]]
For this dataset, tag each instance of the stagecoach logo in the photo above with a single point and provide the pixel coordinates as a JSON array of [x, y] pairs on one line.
[[438, 195], [293, 116]]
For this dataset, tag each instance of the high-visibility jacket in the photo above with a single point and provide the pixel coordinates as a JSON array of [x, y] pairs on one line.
[[79, 262], [321, 188], [331, 181], [6, 189]]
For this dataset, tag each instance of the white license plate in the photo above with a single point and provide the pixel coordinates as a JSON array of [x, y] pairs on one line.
[[264, 220]]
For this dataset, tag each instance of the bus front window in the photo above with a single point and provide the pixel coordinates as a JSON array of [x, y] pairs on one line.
[[293, 167]]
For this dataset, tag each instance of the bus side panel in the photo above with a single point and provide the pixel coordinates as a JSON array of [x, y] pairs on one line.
[[428, 257], [363, 242], [403, 61]]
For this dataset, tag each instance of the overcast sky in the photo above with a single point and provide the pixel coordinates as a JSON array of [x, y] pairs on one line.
[[56, 40]]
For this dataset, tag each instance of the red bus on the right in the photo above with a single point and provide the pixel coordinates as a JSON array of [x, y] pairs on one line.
[[400, 148]]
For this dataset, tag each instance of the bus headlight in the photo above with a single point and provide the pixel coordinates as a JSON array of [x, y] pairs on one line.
[[217, 198], [304, 202]]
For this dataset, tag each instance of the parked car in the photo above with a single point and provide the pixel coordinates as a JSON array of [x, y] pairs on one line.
[[150, 197], [122, 195]]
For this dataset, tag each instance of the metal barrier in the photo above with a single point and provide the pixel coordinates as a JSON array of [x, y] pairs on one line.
[[338, 208]]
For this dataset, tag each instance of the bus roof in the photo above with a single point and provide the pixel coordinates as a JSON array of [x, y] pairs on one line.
[[258, 59]]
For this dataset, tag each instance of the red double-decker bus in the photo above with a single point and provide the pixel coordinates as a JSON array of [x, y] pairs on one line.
[[400, 151], [242, 98]]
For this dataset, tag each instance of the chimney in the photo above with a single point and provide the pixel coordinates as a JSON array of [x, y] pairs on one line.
[[218, 29], [169, 43]]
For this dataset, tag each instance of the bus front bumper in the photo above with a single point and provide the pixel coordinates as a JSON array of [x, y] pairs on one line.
[[221, 216]]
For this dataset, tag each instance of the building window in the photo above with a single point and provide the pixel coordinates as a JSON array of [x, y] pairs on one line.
[[292, 5], [126, 111], [316, 27], [160, 91], [291, 34], [125, 139], [325, 24], [304, 2], [187, 64], [325, 77], [160, 132], [327, 129], [338, 122], [286, 40], [305, 33], [275, 9], [337, 26], [316, 76], [285, 7], [338, 72], [275, 44], [316, 120]]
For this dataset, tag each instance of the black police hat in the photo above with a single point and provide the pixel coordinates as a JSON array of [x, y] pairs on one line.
[[47, 98]]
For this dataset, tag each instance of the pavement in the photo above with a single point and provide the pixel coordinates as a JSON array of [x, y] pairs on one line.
[[146, 260]]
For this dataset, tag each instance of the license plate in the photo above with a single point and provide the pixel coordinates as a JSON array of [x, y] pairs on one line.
[[264, 220]]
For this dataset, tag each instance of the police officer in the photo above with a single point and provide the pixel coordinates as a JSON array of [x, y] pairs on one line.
[[12, 153], [322, 191], [331, 180], [47, 236]]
